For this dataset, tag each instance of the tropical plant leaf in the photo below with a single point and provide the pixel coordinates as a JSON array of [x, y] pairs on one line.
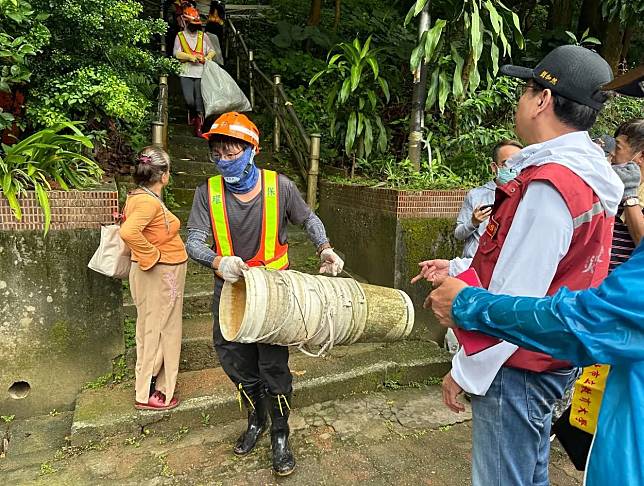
[[368, 136], [443, 90], [350, 136]]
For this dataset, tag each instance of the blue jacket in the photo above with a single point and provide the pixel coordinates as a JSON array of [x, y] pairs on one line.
[[602, 325]]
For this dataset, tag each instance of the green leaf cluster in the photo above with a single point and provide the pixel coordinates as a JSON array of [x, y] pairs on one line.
[[22, 37], [99, 63], [52, 155], [358, 92], [458, 49]]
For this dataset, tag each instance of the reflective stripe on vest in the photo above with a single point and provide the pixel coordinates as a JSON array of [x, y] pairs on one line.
[[185, 47], [271, 253]]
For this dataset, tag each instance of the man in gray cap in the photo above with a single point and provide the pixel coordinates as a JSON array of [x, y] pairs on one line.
[[550, 227]]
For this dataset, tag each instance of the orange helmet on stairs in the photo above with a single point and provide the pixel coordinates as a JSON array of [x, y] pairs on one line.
[[235, 125], [191, 14]]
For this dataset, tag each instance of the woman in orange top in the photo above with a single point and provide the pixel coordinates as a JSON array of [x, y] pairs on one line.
[[157, 279]]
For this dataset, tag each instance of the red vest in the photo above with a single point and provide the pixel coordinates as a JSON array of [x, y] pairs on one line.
[[586, 263]]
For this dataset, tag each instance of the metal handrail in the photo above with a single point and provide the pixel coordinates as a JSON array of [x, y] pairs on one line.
[[304, 147]]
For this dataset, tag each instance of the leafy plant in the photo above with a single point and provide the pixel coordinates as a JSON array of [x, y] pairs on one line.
[[457, 58], [352, 100], [584, 39], [52, 155], [289, 35], [22, 37]]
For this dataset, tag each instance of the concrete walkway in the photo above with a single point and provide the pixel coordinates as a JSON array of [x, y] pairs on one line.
[[397, 436]]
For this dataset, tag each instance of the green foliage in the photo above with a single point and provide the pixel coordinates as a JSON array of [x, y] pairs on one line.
[[99, 63], [129, 333], [22, 37], [119, 374], [53, 155], [352, 100], [584, 39], [455, 47], [290, 35], [616, 111], [401, 174], [626, 10]]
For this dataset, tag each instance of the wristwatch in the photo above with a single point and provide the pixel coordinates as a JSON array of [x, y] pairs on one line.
[[631, 201]]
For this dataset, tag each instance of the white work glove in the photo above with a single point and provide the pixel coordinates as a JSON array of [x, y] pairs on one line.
[[231, 268], [330, 262]]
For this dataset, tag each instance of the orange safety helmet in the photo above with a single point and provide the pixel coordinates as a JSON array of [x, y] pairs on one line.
[[191, 14], [235, 125]]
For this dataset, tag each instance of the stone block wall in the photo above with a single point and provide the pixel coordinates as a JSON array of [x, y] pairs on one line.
[[60, 322], [384, 233]]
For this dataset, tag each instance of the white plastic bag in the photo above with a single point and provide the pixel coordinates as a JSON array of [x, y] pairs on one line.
[[220, 92], [112, 257], [214, 40]]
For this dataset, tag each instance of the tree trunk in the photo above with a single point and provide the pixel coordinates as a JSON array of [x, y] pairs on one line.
[[612, 43], [628, 36], [590, 18], [336, 21], [315, 13], [560, 14]]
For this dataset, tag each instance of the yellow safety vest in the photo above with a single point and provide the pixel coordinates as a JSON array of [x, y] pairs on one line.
[[185, 47], [271, 253]]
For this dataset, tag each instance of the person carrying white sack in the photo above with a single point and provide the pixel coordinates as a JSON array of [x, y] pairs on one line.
[[193, 49]]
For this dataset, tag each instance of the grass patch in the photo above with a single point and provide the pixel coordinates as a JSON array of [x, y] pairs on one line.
[[119, 374], [129, 333]]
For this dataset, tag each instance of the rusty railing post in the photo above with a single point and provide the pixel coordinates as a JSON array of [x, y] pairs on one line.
[[251, 89], [163, 92], [276, 121], [237, 46], [314, 170]]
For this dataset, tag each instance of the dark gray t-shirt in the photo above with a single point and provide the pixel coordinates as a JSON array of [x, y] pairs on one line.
[[245, 218]]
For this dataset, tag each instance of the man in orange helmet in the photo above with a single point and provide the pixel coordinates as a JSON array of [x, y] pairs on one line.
[[246, 211], [192, 48]]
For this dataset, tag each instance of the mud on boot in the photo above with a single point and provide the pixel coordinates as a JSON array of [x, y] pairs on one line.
[[254, 400], [283, 459]]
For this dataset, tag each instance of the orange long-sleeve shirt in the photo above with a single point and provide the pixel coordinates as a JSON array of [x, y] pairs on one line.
[[147, 235]]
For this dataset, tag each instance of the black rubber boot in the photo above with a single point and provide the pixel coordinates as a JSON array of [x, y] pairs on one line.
[[279, 408], [255, 403]]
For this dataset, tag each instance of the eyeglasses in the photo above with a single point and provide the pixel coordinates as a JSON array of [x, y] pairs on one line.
[[215, 157], [523, 89]]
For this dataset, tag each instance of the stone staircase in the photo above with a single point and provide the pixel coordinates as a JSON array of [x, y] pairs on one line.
[[203, 387]]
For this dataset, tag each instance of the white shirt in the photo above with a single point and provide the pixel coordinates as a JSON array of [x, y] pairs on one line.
[[192, 69], [538, 239]]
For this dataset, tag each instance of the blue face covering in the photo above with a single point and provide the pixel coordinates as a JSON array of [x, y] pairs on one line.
[[240, 174], [505, 175]]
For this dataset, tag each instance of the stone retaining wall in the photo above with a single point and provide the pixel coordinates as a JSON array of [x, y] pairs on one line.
[[61, 323], [384, 233]]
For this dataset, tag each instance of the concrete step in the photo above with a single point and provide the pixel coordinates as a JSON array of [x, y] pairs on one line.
[[347, 370], [197, 351]]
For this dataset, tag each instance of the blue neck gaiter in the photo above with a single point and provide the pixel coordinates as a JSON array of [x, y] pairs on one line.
[[240, 175]]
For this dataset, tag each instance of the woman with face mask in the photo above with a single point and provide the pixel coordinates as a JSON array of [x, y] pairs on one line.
[[193, 49], [246, 212]]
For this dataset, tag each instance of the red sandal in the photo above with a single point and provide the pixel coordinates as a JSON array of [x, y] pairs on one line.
[[157, 402]]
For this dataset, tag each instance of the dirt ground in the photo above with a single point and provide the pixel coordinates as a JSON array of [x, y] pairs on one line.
[[400, 436]]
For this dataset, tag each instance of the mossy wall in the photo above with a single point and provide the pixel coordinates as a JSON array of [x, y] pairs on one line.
[[418, 240], [385, 250], [366, 239], [60, 322]]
